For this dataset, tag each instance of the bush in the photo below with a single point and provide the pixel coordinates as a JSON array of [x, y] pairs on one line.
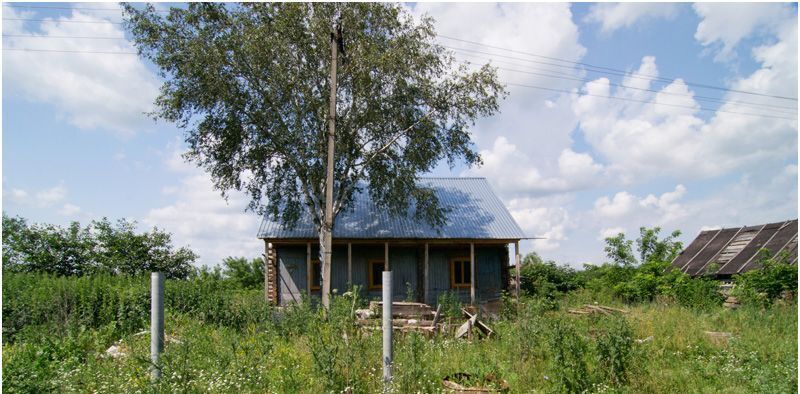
[[42, 301], [100, 247], [546, 279], [567, 349], [763, 286], [246, 274], [614, 348]]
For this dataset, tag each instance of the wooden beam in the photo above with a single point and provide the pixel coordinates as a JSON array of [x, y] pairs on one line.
[[349, 264], [472, 273], [266, 270], [517, 268], [386, 256], [425, 276], [308, 268]]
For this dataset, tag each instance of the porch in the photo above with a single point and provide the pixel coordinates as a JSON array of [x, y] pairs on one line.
[[423, 269]]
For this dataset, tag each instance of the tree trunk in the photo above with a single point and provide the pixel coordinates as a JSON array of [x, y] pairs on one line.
[[326, 230]]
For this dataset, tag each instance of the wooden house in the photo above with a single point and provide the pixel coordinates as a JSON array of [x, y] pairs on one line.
[[469, 255]]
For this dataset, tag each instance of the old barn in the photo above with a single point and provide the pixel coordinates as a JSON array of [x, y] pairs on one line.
[[468, 256], [729, 251]]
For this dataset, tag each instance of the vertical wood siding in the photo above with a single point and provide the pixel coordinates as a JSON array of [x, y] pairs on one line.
[[403, 261]]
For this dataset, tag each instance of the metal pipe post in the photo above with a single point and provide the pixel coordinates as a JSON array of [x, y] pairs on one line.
[[156, 322], [387, 327]]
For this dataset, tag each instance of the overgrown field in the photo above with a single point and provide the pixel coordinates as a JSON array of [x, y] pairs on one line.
[[224, 339]]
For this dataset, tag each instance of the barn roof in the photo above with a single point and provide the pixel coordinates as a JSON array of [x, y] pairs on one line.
[[475, 213], [729, 251]]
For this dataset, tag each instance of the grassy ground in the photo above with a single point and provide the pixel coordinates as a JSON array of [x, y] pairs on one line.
[[539, 350]]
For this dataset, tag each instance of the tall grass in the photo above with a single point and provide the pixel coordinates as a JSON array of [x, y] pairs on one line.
[[226, 340]]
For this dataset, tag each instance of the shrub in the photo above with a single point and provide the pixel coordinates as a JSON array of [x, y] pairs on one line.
[[100, 247], [568, 364], [545, 278], [451, 304], [763, 286], [614, 348], [247, 274]]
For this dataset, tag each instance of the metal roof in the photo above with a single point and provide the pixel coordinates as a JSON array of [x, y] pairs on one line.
[[729, 251], [475, 213]]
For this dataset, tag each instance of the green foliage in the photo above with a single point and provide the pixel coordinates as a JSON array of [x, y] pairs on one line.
[[614, 350], [451, 304], [246, 274], [100, 247], [546, 279], [775, 277], [569, 369], [46, 302], [250, 86], [538, 350]]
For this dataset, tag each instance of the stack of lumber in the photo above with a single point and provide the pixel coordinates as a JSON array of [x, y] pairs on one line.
[[589, 309]]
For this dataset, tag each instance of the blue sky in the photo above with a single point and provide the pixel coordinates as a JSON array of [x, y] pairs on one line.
[[572, 167]]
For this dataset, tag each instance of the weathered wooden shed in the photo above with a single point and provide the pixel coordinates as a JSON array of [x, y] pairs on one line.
[[729, 251], [426, 261]]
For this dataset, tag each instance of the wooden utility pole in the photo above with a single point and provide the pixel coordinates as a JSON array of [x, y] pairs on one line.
[[336, 36]]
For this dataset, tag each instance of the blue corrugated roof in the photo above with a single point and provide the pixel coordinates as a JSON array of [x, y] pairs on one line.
[[475, 213]]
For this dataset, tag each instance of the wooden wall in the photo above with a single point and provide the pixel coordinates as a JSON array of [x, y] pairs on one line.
[[404, 261]]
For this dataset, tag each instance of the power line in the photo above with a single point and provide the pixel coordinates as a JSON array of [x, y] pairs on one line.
[[68, 8], [700, 98], [68, 51], [75, 37], [645, 101], [556, 74], [58, 21], [608, 70]]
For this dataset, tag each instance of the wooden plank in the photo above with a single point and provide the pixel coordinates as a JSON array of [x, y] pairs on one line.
[[517, 268], [386, 256], [472, 273], [425, 275], [349, 264], [266, 270], [308, 268]]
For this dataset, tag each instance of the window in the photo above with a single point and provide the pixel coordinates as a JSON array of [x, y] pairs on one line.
[[460, 272], [376, 274], [315, 275]]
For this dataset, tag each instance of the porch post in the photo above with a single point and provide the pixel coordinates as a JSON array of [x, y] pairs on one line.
[[266, 270], [472, 273], [517, 268], [349, 264], [386, 256], [425, 276], [308, 268]]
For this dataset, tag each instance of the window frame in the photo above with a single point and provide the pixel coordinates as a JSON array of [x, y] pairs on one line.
[[370, 285], [466, 264]]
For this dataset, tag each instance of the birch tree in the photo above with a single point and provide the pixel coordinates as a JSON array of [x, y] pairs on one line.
[[250, 86]]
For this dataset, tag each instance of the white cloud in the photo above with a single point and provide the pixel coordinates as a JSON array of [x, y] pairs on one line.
[[200, 218], [69, 210], [642, 141], [613, 16], [91, 91], [625, 208], [51, 196], [727, 24], [44, 198], [610, 232]]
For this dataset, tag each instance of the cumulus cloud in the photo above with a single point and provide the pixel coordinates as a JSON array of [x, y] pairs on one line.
[[663, 133], [624, 208], [106, 92], [42, 199], [200, 218], [69, 210], [613, 16], [726, 24]]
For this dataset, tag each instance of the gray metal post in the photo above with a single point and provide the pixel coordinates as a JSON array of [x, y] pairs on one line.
[[156, 322], [387, 326]]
